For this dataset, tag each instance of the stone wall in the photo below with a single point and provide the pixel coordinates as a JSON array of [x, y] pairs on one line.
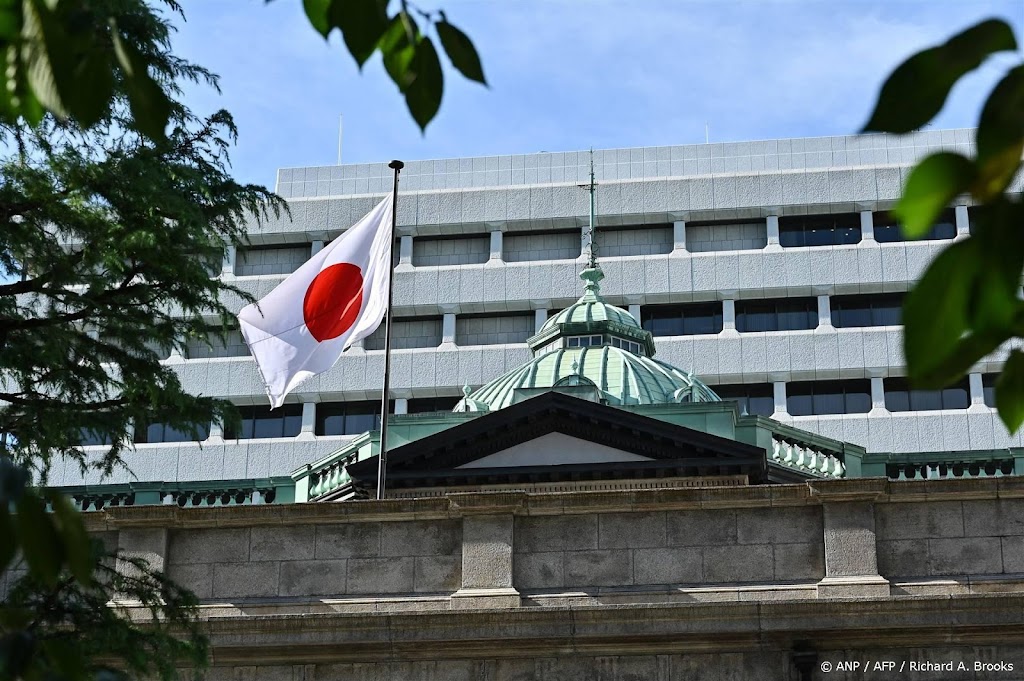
[[332, 560], [662, 548], [712, 584]]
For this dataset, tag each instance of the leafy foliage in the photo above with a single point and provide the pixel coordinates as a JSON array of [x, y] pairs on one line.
[[55, 619], [968, 302], [69, 57], [109, 236], [409, 56]]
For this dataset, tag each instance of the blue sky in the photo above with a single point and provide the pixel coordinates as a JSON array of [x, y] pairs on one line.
[[571, 74]]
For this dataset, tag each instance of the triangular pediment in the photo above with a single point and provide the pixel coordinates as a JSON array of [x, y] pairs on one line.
[[558, 437], [554, 449]]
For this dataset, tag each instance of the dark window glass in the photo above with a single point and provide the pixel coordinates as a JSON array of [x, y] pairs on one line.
[[828, 397], [430, 404], [347, 418], [798, 231], [160, 432], [91, 437], [682, 320], [757, 398], [887, 228], [788, 314], [257, 422], [899, 397], [988, 388], [884, 309]]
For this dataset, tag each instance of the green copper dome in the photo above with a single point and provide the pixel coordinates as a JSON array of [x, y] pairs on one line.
[[596, 351]]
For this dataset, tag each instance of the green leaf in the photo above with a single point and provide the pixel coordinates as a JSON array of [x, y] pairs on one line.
[[1010, 392], [316, 12], [10, 20], [8, 543], [461, 51], [935, 312], [423, 95], [150, 106], [41, 33], [1000, 135], [362, 23], [996, 305], [932, 184], [77, 544], [38, 539], [916, 91], [398, 50]]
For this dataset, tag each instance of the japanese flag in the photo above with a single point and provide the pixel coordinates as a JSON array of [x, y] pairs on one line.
[[336, 298]]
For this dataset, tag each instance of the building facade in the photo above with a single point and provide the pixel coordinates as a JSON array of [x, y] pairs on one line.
[[772, 270]]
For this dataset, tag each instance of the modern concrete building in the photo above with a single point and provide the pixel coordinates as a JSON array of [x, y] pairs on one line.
[[568, 497], [770, 270]]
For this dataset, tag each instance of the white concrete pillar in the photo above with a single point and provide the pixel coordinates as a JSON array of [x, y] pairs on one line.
[[318, 245], [405, 250], [540, 315], [729, 315], [679, 236], [448, 329], [634, 310], [867, 225], [216, 432], [401, 406], [497, 241], [824, 313], [877, 396], [308, 430], [228, 267], [772, 227], [977, 393], [963, 221], [779, 390]]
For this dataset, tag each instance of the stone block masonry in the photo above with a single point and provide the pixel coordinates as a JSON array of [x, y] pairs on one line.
[[669, 584]]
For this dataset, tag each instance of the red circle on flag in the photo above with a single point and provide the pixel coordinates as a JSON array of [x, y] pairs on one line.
[[333, 301]]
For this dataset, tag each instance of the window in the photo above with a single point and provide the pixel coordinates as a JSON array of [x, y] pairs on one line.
[[347, 418], [798, 231], [424, 405], [627, 345], [161, 432], [788, 314], [756, 399], [988, 388], [582, 341], [887, 228], [899, 397], [90, 438], [828, 397], [257, 422], [885, 309], [682, 320]]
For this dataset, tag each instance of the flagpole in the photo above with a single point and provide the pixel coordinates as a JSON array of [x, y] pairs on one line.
[[385, 407]]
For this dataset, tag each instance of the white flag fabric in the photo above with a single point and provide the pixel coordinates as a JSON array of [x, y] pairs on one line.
[[336, 298]]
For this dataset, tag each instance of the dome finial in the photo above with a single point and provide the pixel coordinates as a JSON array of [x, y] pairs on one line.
[[589, 237], [466, 390]]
